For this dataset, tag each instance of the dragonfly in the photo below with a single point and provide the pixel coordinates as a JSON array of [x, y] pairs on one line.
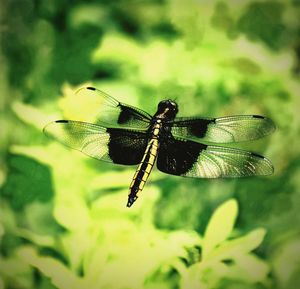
[[180, 146]]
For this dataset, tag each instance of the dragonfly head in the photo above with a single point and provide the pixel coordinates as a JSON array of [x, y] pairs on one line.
[[167, 109]]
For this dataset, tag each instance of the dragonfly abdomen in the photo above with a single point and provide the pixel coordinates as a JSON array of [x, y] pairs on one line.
[[143, 171]]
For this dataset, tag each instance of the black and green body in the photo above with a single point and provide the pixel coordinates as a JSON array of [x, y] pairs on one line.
[[126, 135]]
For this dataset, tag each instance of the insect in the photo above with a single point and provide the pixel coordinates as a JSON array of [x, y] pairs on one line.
[[125, 135]]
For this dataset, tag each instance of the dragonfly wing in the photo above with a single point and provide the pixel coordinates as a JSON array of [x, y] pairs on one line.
[[115, 113], [116, 145], [192, 159], [228, 129]]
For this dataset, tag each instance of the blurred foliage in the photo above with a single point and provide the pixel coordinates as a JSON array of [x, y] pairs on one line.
[[26, 180], [63, 221]]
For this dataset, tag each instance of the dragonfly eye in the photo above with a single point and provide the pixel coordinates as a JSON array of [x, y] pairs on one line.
[[172, 105], [168, 104], [163, 104]]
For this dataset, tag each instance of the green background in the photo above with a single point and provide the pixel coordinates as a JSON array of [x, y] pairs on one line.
[[63, 220]]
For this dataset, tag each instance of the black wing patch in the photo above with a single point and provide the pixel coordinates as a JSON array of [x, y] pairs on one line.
[[126, 147], [115, 113], [120, 146], [224, 129], [191, 159]]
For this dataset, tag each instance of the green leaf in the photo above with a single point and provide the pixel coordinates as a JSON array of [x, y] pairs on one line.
[[59, 274], [246, 66], [31, 115], [285, 263], [240, 246], [246, 268], [27, 181], [189, 18], [262, 21], [249, 268], [219, 226], [72, 213], [221, 18], [191, 278], [15, 271], [40, 220]]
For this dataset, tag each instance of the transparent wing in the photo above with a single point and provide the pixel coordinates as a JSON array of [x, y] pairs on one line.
[[115, 113], [191, 159], [224, 129], [116, 145]]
